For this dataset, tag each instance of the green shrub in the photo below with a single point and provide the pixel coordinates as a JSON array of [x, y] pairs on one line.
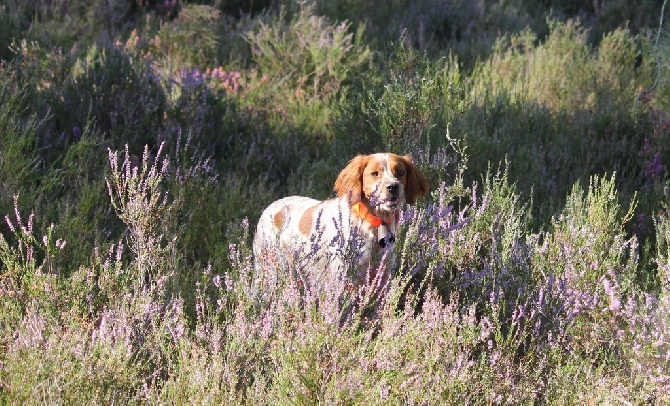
[[417, 102], [173, 46], [118, 91], [563, 73], [558, 112], [462, 27], [589, 251], [10, 29], [71, 196], [19, 160], [408, 114], [305, 63], [656, 86], [78, 23]]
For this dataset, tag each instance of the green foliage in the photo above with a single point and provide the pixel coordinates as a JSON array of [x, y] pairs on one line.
[[419, 96], [432, 26], [594, 215], [77, 22], [72, 191], [18, 159], [10, 27], [541, 106], [119, 92], [312, 54], [656, 86], [305, 62], [173, 45], [562, 73]]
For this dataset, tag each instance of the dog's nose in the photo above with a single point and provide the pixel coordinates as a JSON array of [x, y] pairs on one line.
[[392, 188]]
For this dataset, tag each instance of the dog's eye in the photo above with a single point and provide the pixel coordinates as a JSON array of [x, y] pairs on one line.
[[399, 174], [375, 174]]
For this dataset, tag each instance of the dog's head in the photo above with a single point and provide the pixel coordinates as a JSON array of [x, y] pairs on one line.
[[384, 181]]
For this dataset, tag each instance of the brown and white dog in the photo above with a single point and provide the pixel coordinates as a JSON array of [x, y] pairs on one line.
[[352, 233]]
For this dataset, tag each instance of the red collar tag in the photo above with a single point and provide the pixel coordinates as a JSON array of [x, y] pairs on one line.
[[362, 211]]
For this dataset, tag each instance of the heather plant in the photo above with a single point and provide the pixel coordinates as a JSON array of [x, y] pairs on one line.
[[563, 72], [508, 333], [45, 365], [121, 354], [138, 197], [17, 141], [54, 171], [594, 264], [540, 106], [116, 89], [443, 242], [172, 47], [405, 115], [306, 62], [595, 217], [539, 293], [107, 309], [28, 262]]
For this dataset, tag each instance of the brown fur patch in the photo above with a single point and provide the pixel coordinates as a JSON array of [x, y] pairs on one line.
[[416, 185], [305, 225], [279, 218], [349, 182]]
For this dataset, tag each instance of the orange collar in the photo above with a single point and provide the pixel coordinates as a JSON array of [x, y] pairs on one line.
[[362, 211]]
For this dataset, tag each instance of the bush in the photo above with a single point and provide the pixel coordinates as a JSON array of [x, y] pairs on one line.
[[561, 127], [19, 160], [563, 73], [462, 27], [10, 29], [119, 92], [172, 47], [305, 63], [418, 102], [77, 23]]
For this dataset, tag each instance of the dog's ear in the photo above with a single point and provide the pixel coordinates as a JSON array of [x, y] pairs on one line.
[[416, 184], [350, 181]]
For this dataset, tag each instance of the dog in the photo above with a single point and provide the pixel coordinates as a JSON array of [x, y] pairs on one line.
[[349, 236]]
